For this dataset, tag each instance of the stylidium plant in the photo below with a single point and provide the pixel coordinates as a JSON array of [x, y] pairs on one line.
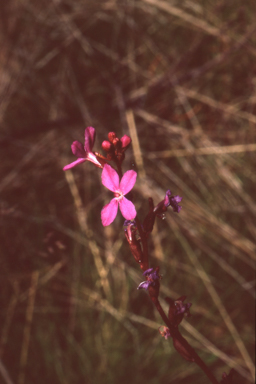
[[137, 234]]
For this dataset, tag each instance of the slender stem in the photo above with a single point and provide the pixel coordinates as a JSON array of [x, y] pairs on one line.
[[119, 168], [174, 331], [144, 243]]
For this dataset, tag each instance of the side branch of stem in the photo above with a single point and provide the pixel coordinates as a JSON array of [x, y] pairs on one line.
[[175, 333]]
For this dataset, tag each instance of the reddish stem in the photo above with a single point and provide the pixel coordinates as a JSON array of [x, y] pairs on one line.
[[174, 331], [144, 244]]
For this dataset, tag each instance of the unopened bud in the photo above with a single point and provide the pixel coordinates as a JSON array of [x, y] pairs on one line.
[[117, 143], [106, 146], [111, 136], [125, 140]]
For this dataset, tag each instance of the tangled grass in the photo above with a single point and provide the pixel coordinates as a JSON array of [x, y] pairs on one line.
[[180, 80]]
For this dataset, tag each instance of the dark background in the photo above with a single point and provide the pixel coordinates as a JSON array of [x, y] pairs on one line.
[[181, 77]]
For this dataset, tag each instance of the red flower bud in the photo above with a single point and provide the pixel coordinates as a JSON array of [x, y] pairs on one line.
[[125, 140], [111, 136], [106, 146], [117, 143]]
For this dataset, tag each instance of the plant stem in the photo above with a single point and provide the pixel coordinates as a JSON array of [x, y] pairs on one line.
[[174, 331], [144, 243]]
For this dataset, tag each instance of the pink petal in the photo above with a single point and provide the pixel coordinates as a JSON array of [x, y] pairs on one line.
[[93, 159], [110, 178], [72, 165], [89, 138], [128, 181], [127, 209], [109, 212], [78, 149]]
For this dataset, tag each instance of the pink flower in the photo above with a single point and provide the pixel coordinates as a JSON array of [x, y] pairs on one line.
[[84, 153], [110, 180]]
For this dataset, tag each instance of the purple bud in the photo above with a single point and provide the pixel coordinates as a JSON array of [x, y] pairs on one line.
[[172, 201], [177, 310], [148, 272], [169, 200], [182, 308], [152, 278]]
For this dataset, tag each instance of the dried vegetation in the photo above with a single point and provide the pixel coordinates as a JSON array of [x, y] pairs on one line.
[[179, 77]]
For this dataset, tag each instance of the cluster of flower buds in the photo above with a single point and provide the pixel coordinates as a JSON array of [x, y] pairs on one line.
[[116, 147], [177, 310]]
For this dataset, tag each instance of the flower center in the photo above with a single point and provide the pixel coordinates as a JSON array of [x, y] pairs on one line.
[[118, 195]]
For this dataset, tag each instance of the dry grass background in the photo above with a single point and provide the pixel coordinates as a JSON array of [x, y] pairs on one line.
[[180, 78]]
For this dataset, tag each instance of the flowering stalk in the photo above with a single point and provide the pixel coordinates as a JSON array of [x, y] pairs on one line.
[[152, 284], [183, 347], [137, 234]]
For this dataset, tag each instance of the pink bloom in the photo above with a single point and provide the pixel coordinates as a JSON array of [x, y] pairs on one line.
[[110, 180], [84, 153]]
